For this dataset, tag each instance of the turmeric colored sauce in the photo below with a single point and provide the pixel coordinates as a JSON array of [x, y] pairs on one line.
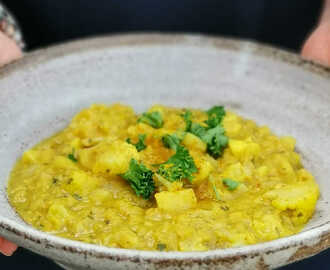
[[73, 184]]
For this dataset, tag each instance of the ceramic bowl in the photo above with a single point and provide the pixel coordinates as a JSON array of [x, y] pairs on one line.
[[39, 95]]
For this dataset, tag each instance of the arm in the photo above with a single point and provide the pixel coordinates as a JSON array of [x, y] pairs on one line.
[[317, 46]]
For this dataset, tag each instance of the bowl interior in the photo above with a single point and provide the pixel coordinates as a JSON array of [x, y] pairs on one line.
[[40, 95]]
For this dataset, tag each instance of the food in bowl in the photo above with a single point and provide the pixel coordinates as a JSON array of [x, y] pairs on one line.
[[169, 179]]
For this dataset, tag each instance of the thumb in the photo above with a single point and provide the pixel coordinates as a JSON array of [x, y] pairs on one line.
[[317, 46], [7, 248], [9, 51]]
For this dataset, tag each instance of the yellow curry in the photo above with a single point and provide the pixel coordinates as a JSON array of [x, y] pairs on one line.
[[169, 179]]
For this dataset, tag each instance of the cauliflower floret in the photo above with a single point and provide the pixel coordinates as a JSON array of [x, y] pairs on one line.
[[299, 199], [111, 157]]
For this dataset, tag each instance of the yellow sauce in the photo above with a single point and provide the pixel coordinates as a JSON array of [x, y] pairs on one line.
[[88, 201]]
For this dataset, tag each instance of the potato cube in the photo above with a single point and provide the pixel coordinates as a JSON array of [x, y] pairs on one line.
[[176, 200], [193, 142], [81, 183]]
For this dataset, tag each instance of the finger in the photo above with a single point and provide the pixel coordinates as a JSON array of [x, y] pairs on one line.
[[7, 248], [9, 51], [317, 46]]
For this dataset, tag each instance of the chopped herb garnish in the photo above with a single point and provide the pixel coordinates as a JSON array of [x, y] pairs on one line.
[[198, 130], [161, 246], [216, 141], [230, 184], [77, 197], [140, 179], [213, 134], [216, 192], [171, 141], [179, 166], [153, 119], [72, 156], [187, 118], [216, 114], [140, 144]]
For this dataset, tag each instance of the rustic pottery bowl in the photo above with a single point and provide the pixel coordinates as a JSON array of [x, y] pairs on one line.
[[39, 94]]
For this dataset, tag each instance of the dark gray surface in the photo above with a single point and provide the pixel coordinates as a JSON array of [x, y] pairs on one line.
[[280, 22], [24, 259]]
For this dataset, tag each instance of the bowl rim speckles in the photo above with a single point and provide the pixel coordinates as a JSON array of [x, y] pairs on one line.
[[304, 244]]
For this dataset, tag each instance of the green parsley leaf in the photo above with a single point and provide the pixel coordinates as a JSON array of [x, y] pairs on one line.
[[215, 140], [72, 156], [140, 179], [171, 141], [161, 246], [140, 144], [187, 118], [153, 119], [179, 166], [213, 134], [215, 116], [198, 130], [230, 184]]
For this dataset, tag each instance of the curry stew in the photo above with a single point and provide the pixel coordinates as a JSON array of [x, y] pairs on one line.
[[170, 179]]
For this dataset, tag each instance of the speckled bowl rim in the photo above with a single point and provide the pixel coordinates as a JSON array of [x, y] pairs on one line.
[[321, 233]]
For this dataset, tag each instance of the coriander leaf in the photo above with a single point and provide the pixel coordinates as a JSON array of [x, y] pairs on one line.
[[171, 141], [230, 184], [198, 130], [72, 156], [153, 119], [187, 118], [179, 166], [140, 144], [161, 246], [215, 116], [140, 179], [215, 140]]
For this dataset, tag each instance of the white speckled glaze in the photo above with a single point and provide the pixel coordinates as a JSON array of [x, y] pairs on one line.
[[39, 94]]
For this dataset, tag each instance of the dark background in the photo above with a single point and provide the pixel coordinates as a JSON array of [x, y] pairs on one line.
[[281, 23]]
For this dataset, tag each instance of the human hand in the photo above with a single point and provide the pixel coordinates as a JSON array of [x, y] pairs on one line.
[[9, 51], [317, 46]]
